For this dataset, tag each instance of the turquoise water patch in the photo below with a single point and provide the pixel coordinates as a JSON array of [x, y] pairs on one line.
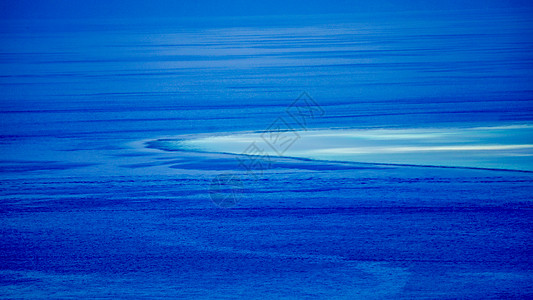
[[499, 147]]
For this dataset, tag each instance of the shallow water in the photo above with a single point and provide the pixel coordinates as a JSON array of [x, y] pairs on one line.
[[485, 147], [89, 210]]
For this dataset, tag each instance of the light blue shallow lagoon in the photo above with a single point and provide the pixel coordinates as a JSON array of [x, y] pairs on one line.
[[160, 158], [504, 147]]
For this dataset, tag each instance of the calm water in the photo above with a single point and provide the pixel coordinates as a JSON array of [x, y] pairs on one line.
[[89, 209]]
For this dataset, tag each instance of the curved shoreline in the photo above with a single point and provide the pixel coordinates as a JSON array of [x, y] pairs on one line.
[[502, 148]]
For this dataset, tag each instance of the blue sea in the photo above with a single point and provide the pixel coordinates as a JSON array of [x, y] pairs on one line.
[[154, 158]]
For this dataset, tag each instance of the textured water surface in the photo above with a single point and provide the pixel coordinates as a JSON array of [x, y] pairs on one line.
[[91, 207]]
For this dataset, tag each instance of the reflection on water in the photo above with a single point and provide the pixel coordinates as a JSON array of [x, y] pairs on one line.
[[504, 147]]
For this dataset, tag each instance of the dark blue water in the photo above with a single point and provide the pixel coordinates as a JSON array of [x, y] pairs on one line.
[[89, 211]]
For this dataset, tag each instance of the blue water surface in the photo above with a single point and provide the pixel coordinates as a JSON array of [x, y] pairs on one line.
[[91, 208]]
